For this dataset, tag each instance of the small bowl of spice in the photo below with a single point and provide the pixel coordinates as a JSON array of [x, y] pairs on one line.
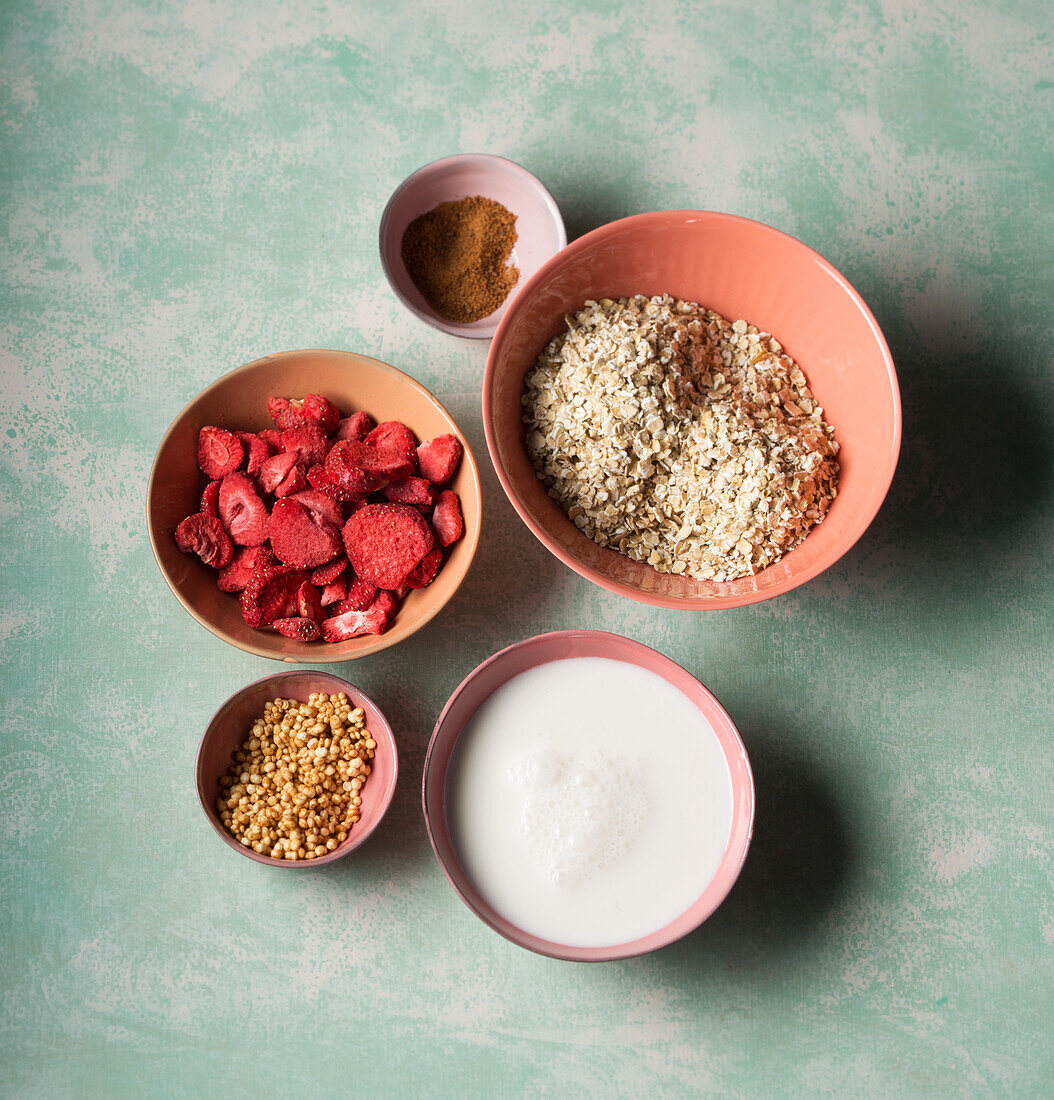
[[461, 234], [297, 768]]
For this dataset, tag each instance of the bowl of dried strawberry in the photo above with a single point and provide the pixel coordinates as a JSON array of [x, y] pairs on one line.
[[314, 506]]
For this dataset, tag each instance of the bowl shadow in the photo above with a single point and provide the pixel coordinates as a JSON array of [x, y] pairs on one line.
[[801, 857]]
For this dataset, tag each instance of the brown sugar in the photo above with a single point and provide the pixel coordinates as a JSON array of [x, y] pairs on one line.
[[457, 256]]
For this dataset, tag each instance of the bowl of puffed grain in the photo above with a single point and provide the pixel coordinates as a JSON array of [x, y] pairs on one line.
[[297, 769], [692, 409]]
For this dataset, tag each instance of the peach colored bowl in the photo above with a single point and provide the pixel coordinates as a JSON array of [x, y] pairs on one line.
[[539, 227], [239, 400], [231, 724], [518, 658], [741, 269]]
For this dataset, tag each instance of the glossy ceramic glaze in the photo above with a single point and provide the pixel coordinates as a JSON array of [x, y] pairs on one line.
[[231, 724], [741, 269], [518, 658], [238, 400], [539, 227]]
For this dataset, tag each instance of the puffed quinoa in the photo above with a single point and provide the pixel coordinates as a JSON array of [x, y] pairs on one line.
[[293, 789], [678, 438]]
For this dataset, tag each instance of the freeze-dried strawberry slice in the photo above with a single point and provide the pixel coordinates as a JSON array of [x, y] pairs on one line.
[[411, 490], [385, 541], [352, 624], [247, 560], [299, 538], [273, 438], [272, 594], [388, 602], [334, 592], [299, 629], [286, 412], [446, 518], [396, 446], [321, 411], [359, 596], [438, 458], [356, 427], [219, 452], [424, 572], [326, 574], [275, 470], [349, 466], [257, 450], [308, 442], [309, 601], [210, 499], [242, 512], [293, 482], [204, 535], [321, 505]]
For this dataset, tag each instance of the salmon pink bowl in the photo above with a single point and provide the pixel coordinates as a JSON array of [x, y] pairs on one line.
[[523, 657], [231, 724], [742, 269], [238, 402]]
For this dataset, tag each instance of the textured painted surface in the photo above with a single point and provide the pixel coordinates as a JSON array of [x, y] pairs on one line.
[[186, 186]]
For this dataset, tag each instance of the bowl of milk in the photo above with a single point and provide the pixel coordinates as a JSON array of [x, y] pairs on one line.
[[587, 797]]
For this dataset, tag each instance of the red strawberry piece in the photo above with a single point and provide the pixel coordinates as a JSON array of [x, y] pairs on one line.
[[309, 601], [322, 504], [210, 499], [326, 574], [352, 624], [219, 452], [308, 442], [410, 490], [275, 470], [334, 592], [438, 458], [257, 449], [299, 629], [360, 595], [273, 438], [357, 427], [204, 535], [349, 466], [272, 594], [321, 411], [388, 601], [293, 482], [322, 481], [299, 538], [396, 444], [385, 541], [286, 412], [446, 518], [243, 513], [247, 560], [424, 572]]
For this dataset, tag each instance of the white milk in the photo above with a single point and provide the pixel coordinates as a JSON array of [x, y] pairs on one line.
[[589, 801]]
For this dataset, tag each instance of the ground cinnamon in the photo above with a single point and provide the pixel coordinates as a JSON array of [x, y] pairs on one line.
[[457, 256]]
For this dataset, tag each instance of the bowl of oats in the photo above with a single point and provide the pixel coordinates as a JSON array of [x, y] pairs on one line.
[[692, 409]]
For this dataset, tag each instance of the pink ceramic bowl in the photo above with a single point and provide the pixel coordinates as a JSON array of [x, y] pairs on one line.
[[539, 227], [232, 723], [741, 269], [542, 649]]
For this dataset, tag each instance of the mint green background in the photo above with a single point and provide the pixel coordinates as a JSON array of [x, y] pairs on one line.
[[187, 186]]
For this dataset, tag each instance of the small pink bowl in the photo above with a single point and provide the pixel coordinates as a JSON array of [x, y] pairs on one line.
[[231, 724], [539, 227], [542, 649]]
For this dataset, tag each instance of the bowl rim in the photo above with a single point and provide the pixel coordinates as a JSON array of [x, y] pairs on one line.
[[381, 641], [451, 328], [715, 603], [356, 838], [740, 834]]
